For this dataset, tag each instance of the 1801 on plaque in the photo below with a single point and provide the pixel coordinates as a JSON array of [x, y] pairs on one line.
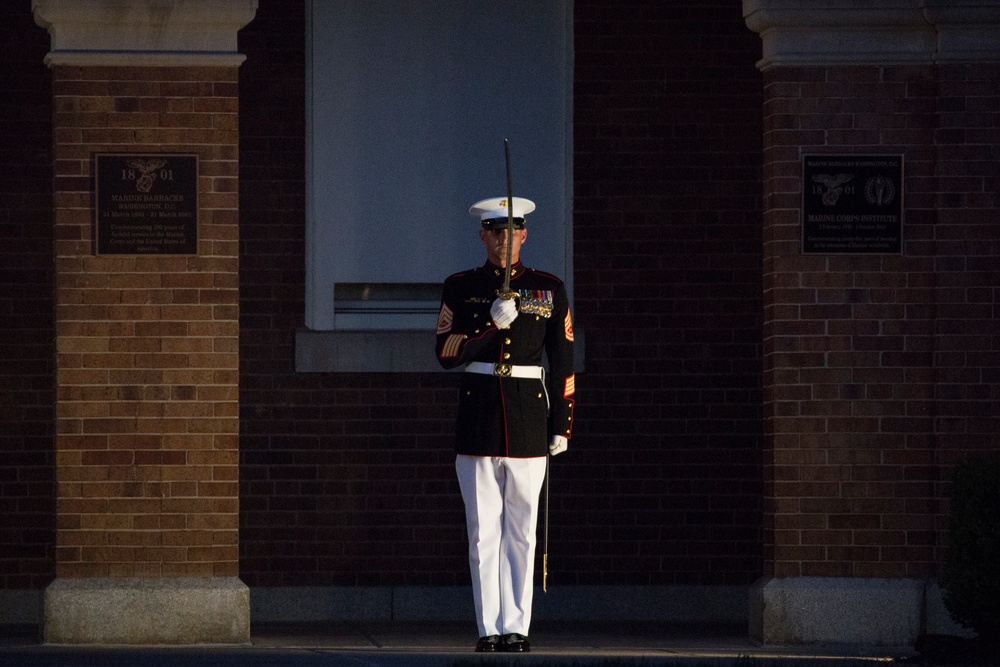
[[147, 204]]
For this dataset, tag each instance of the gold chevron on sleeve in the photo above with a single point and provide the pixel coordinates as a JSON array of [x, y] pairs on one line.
[[451, 346], [568, 326], [444, 319]]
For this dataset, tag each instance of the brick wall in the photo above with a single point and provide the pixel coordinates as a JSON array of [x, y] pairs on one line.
[[663, 487], [877, 367], [147, 345], [879, 371], [27, 502], [348, 479], [345, 479], [967, 274], [967, 243]]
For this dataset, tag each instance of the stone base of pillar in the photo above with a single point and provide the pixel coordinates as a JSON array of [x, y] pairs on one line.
[[212, 610], [832, 610]]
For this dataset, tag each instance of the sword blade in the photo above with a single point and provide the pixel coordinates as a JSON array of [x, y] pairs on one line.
[[510, 220]]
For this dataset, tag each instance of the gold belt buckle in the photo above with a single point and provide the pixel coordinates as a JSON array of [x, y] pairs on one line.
[[503, 370]]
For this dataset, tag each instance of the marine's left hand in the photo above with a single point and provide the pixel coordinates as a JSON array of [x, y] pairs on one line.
[[558, 445]]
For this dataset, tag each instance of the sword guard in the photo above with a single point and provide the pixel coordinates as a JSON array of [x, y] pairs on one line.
[[507, 295]]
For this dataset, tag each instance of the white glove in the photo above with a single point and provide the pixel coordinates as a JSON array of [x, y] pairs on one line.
[[558, 445], [503, 312]]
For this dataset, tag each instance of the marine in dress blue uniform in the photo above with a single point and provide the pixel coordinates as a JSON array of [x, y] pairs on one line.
[[512, 414]]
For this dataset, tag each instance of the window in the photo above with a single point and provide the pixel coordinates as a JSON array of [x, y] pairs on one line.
[[408, 104]]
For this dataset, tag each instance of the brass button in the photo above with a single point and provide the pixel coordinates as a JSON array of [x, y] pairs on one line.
[[506, 355], [539, 396], [476, 331], [506, 341]]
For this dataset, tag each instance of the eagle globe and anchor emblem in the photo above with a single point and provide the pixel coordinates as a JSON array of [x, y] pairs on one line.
[[879, 190], [145, 171]]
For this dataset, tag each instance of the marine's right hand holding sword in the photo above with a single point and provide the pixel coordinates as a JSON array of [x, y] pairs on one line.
[[504, 312]]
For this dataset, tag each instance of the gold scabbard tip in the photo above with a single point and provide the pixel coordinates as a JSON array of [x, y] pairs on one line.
[[545, 573]]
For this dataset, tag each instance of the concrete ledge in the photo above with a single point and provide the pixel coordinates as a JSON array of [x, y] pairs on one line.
[[967, 31], [779, 611], [711, 604], [938, 618], [135, 59], [144, 25], [295, 604], [144, 33], [830, 610], [212, 610], [847, 32], [19, 606], [365, 352], [835, 32]]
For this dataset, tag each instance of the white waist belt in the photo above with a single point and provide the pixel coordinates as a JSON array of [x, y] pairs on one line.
[[505, 370]]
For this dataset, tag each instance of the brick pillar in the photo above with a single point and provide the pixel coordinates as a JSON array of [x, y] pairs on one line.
[[146, 343], [863, 352]]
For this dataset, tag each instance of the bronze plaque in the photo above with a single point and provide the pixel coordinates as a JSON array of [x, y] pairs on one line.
[[147, 204], [852, 204]]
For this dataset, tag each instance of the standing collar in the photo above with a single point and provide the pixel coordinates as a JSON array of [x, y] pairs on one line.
[[495, 270]]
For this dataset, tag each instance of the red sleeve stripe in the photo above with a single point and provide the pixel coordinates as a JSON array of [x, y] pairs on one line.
[[570, 387]]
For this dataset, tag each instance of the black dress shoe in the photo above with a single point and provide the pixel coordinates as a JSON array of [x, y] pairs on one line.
[[488, 644], [515, 643]]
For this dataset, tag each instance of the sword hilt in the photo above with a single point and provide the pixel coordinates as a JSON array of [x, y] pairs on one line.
[[507, 295]]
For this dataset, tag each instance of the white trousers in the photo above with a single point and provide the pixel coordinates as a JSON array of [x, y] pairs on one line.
[[501, 514]]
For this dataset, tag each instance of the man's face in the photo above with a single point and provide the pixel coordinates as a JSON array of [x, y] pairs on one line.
[[495, 241]]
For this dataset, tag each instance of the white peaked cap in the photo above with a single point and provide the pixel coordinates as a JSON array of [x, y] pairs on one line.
[[489, 209]]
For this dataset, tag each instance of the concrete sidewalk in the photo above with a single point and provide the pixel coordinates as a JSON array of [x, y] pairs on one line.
[[445, 644]]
